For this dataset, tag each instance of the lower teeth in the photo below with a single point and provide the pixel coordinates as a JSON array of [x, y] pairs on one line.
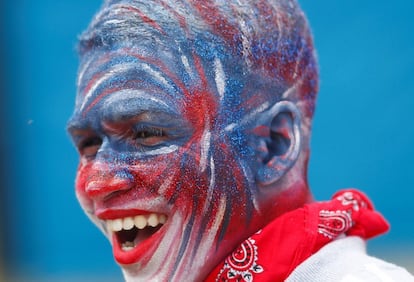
[[127, 246]]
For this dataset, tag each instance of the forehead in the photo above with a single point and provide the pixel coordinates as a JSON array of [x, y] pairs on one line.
[[141, 53], [171, 80]]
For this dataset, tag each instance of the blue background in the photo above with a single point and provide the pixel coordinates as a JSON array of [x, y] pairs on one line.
[[363, 132]]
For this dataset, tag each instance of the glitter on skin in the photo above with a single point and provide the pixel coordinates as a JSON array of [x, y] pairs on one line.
[[170, 95]]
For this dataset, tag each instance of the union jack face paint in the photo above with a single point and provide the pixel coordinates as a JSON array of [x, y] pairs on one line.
[[173, 122]]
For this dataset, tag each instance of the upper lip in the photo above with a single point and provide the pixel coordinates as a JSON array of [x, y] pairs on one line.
[[106, 214]]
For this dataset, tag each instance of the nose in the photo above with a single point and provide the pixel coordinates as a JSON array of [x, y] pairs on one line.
[[104, 181]]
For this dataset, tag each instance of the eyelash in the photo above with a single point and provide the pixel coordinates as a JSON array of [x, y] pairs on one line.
[[140, 137], [89, 146], [146, 132], [146, 136]]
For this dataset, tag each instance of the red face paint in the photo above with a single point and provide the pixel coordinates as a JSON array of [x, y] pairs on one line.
[[169, 122]]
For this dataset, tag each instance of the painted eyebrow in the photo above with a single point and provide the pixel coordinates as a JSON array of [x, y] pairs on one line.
[[129, 103], [149, 119]]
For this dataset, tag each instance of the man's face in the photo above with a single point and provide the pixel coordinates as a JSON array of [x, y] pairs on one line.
[[169, 153]]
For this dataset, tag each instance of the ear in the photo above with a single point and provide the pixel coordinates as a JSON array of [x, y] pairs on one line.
[[281, 146]]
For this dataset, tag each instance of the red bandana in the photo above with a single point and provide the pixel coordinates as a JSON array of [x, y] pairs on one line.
[[275, 251]]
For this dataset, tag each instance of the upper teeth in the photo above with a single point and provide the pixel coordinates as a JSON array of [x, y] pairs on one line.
[[140, 221]]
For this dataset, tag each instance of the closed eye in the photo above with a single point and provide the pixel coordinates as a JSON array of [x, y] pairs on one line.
[[86, 140], [89, 146], [149, 136]]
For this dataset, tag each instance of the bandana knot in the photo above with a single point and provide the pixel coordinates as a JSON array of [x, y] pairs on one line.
[[272, 253]]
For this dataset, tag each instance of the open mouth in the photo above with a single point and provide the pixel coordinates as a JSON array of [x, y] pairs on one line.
[[131, 232]]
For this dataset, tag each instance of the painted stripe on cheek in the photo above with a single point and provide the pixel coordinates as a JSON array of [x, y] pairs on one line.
[[220, 78]]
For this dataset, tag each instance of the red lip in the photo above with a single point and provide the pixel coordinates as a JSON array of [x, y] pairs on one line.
[[114, 214], [142, 251]]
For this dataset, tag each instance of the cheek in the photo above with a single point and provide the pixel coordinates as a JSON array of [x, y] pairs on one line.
[[175, 177]]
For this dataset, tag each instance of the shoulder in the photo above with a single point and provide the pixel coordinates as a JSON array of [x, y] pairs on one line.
[[346, 260]]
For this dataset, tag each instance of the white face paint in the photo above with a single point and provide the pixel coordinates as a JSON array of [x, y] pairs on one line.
[[165, 123]]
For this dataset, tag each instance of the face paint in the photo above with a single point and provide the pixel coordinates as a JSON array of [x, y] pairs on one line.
[[168, 120]]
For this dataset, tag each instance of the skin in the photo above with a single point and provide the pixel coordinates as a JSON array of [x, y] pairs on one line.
[[178, 116]]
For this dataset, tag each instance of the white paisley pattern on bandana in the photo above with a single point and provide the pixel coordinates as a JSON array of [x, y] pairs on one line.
[[241, 264], [348, 199], [333, 223]]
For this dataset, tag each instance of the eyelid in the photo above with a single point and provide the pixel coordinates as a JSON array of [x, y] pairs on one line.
[[78, 135], [86, 141], [148, 136], [90, 147], [148, 127], [146, 120], [89, 141]]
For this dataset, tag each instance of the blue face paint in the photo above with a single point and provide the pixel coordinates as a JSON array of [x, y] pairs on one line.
[[181, 157]]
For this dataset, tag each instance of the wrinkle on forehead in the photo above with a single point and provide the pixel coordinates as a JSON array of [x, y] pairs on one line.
[[208, 50]]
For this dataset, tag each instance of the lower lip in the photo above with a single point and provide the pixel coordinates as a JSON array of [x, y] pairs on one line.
[[141, 252]]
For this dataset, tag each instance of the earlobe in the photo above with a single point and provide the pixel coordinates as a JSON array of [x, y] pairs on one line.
[[281, 147]]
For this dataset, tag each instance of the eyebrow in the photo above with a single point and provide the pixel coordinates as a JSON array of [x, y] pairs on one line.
[[132, 102]]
